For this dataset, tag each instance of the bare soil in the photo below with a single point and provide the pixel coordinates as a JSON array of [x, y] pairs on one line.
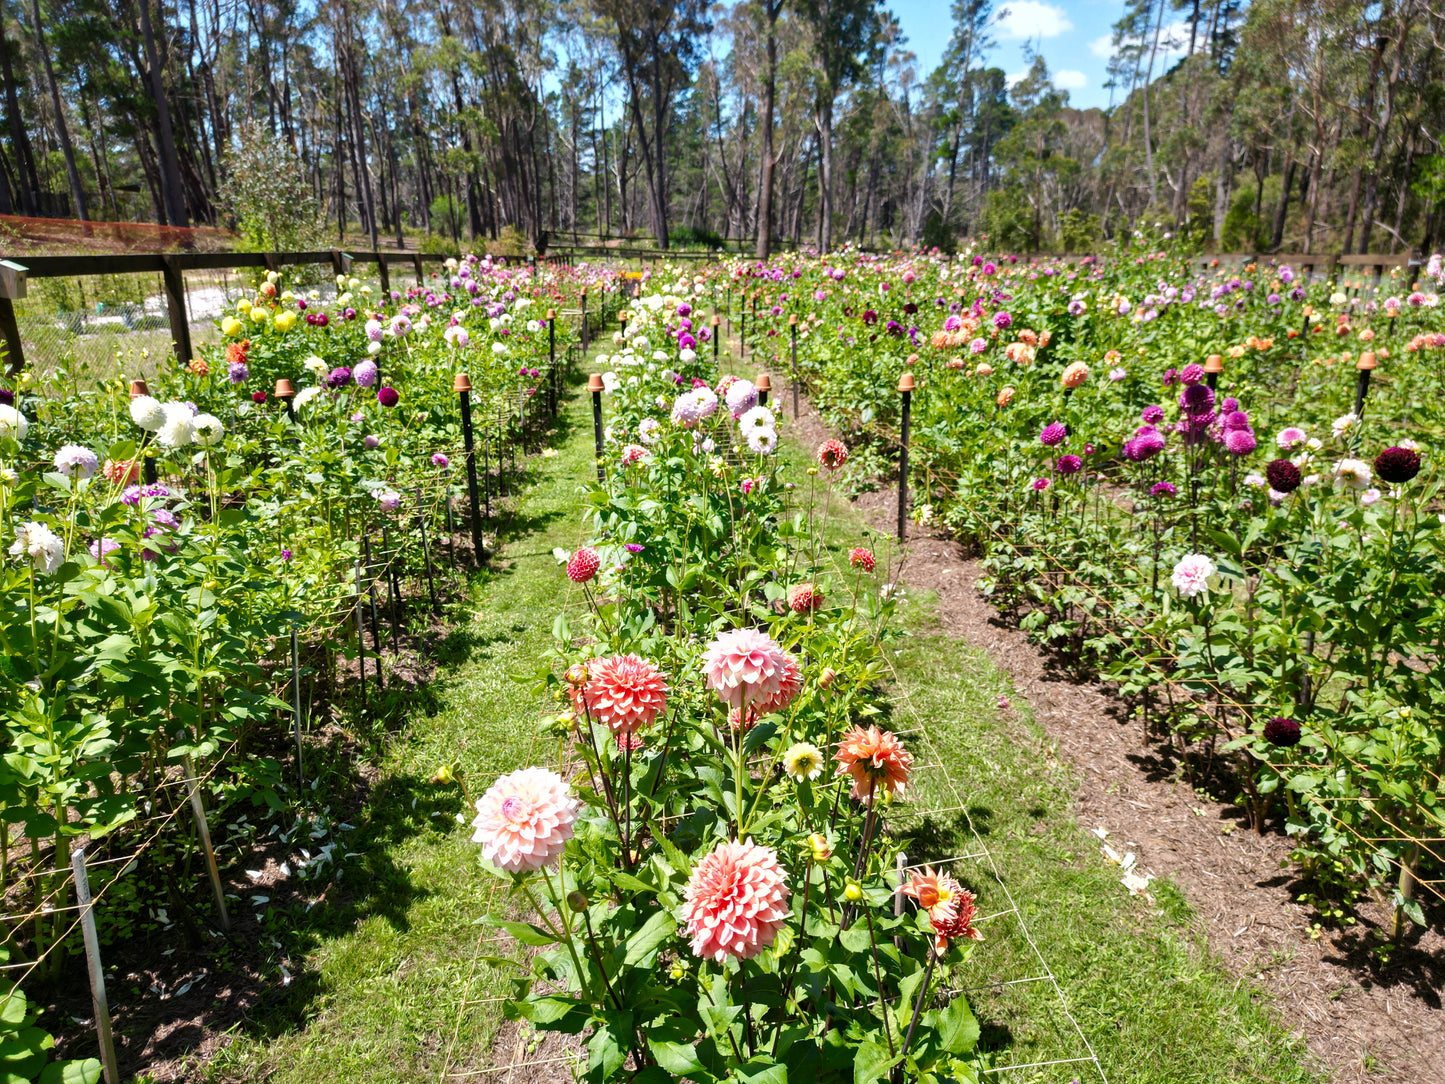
[[1368, 1020]]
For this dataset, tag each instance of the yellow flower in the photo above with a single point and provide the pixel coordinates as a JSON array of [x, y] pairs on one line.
[[232, 327], [243, 306], [853, 893], [803, 761], [259, 316], [285, 321]]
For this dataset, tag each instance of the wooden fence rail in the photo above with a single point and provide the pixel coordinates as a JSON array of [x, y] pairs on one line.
[[14, 273]]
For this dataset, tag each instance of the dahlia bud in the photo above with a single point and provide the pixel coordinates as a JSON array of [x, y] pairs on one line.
[[853, 892], [826, 679], [578, 674], [819, 843], [577, 902], [444, 775]]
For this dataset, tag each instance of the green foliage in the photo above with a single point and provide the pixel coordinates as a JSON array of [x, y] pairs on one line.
[[268, 196], [25, 1050], [1078, 232]]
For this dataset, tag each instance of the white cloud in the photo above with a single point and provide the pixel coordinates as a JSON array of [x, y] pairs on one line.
[[1011, 80], [1173, 44], [1067, 79], [1024, 19]]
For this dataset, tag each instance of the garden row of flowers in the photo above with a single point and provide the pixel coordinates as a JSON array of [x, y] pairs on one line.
[[165, 539], [705, 872], [1219, 489]]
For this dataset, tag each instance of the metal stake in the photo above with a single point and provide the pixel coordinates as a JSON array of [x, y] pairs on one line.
[[793, 332], [431, 583], [371, 601], [1365, 366], [595, 386], [296, 706], [462, 385], [393, 588], [361, 638], [92, 958], [905, 386]]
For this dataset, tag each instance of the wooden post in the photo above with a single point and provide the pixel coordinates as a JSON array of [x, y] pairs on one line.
[[92, 958], [198, 808], [585, 332], [385, 275], [12, 288], [905, 387], [462, 385], [175, 285], [595, 386], [371, 605]]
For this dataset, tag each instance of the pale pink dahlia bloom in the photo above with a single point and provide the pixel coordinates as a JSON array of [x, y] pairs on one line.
[[622, 693], [1191, 574], [525, 819], [746, 666], [736, 901]]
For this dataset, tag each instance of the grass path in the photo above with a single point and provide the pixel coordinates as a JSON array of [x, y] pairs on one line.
[[395, 990]]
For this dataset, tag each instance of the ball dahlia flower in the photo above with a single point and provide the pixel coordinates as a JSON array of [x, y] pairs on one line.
[[736, 900], [1053, 434], [78, 462], [862, 558], [1074, 375], [1397, 465], [874, 758], [583, 565], [746, 666], [804, 598], [525, 819], [1282, 731], [624, 693], [1282, 476]]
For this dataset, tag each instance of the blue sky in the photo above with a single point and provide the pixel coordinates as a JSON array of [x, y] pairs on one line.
[[1073, 36]]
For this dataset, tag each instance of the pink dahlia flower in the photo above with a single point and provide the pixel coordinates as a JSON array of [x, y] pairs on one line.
[[623, 693], [736, 901], [790, 684], [525, 819], [1191, 574], [745, 666], [583, 565]]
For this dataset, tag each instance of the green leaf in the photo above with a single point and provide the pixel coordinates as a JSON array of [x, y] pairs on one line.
[[957, 1027], [524, 932], [642, 944], [871, 1063], [71, 1072], [609, 1045], [626, 880], [679, 1058], [760, 1071]]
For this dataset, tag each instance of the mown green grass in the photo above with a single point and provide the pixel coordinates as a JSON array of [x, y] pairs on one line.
[[395, 990]]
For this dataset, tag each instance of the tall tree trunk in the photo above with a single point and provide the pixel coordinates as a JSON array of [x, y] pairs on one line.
[[1281, 211], [824, 124], [1148, 138], [62, 130], [26, 179], [167, 159], [763, 248]]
